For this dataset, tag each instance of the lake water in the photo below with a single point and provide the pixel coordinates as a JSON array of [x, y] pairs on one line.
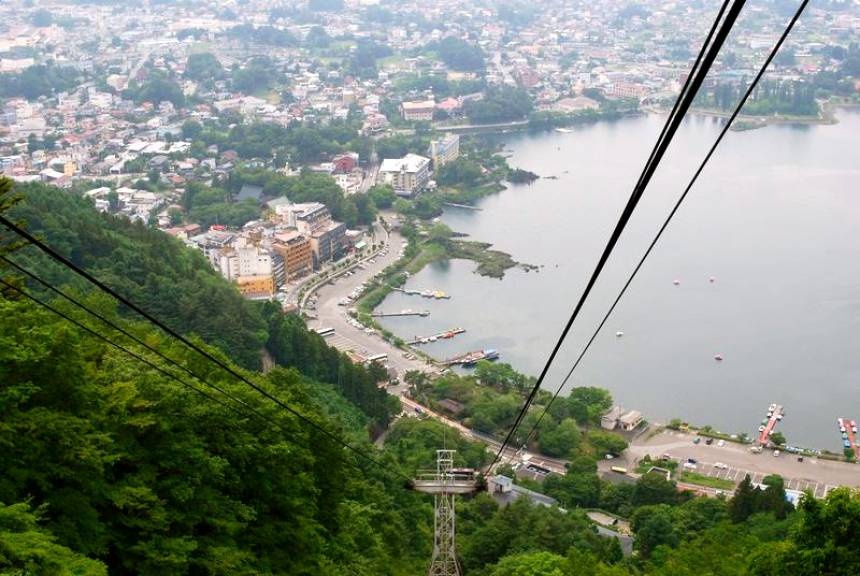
[[775, 219]]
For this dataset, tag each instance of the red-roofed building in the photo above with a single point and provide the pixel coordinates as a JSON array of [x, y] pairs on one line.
[[344, 163]]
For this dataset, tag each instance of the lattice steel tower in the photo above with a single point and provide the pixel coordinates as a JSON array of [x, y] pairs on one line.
[[445, 484]]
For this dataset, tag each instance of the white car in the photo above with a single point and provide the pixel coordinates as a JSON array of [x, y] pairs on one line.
[[721, 443], [720, 466]]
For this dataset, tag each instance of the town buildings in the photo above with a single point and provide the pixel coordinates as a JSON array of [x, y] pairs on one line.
[[444, 150], [135, 154], [408, 175], [249, 265], [297, 253], [418, 111], [618, 418]]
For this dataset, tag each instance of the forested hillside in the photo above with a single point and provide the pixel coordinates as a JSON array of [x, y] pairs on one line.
[[179, 287], [109, 466], [123, 465]]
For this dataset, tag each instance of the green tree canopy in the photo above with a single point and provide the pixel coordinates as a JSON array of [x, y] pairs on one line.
[[203, 67], [458, 54]]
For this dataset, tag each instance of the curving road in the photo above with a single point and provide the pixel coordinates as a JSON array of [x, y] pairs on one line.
[[347, 337]]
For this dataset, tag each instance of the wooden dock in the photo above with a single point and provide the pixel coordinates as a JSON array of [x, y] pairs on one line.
[[774, 415], [465, 206], [471, 358], [437, 294], [848, 427], [401, 313], [435, 337]]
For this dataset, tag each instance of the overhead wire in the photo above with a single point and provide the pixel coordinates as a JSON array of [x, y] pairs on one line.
[[673, 122], [251, 411], [42, 246], [91, 332], [684, 89], [119, 329], [725, 129]]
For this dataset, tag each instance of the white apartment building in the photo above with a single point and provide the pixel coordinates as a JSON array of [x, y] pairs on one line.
[[408, 175], [243, 259]]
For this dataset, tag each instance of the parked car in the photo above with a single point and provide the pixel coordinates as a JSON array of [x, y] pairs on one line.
[[696, 440], [720, 465], [709, 441]]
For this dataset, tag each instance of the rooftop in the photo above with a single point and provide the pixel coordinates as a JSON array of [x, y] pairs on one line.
[[409, 163]]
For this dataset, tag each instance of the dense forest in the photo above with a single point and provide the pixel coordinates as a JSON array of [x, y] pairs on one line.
[[180, 288], [109, 466]]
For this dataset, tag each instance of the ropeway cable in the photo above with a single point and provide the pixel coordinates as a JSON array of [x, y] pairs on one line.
[[105, 339], [116, 327], [671, 215], [251, 411], [673, 122], [209, 356]]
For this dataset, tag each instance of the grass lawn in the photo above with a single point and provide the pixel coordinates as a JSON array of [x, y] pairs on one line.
[[709, 481], [645, 465]]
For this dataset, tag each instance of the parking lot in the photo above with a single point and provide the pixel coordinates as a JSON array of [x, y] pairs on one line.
[[819, 489], [736, 461]]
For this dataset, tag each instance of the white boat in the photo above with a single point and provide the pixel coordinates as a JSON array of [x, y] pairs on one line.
[[619, 334], [718, 357], [676, 282], [564, 130]]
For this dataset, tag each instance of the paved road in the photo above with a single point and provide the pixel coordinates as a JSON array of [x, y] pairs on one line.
[[370, 178], [510, 455], [818, 476], [346, 337]]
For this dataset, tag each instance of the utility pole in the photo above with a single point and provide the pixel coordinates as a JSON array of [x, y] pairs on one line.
[[445, 484]]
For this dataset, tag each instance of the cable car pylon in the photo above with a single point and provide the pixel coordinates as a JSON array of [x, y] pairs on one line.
[[445, 484]]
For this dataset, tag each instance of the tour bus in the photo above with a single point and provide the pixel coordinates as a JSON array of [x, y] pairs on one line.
[[324, 331], [619, 469], [377, 358]]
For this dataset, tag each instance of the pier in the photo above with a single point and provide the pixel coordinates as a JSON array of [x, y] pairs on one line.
[[437, 294], [774, 414], [466, 206], [401, 313], [471, 358], [435, 337], [848, 429]]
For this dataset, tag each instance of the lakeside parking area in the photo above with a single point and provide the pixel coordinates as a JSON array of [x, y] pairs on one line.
[[347, 337], [733, 461]]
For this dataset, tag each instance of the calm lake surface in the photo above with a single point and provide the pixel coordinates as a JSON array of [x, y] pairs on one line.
[[775, 219]]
